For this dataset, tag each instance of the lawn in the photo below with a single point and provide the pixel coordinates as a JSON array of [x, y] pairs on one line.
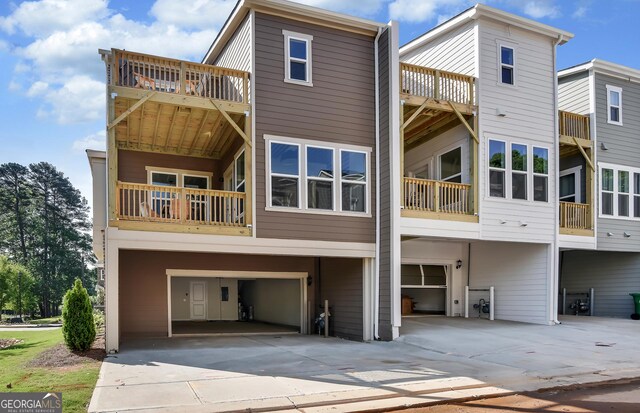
[[76, 382], [50, 320]]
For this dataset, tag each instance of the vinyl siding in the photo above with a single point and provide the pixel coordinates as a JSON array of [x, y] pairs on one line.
[[339, 108], [623, 149], [520, 277], [237, 52], [453, 52], [573, 93], [530, 119], [385, 264], [613, 275], [341, 284]]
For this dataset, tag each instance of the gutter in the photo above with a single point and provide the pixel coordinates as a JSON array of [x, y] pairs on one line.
[[556, 264], [376, 270]]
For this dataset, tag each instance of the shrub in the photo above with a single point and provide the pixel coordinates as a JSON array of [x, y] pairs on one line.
[[98, 318], [78, 327]]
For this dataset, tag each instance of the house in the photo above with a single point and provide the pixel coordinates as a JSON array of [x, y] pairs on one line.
[[473, 176], [245, 187], [606, 95]]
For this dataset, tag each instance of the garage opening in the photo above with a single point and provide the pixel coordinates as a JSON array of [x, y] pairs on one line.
[[425, 289], [236, 303]]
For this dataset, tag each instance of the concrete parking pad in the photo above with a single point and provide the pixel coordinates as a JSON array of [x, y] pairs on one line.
[[436, 359]]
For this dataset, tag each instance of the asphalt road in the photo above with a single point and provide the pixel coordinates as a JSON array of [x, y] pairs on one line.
[[619, 397]]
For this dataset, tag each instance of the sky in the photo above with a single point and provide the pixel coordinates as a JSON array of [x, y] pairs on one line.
[[52, 95]]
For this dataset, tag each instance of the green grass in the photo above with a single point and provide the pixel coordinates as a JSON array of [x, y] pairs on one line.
[[50, 320], [75, 383]]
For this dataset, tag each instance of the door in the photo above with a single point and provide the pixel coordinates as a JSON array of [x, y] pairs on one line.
[[198, 300], [228, 295]]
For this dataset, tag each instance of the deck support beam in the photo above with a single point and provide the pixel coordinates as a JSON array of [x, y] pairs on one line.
[[586, 157], [415, 114], [464, 122], [129, 111], [231, 121]]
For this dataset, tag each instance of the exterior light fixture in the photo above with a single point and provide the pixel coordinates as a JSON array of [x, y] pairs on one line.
[[609, 234], [458, 264], [603, 146], [627, 235], [523, 224]]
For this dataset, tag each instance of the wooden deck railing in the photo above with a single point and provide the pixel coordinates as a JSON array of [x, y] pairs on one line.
[[575, 215], [137, 70], [572, 124], [436, 84], [436, 196], [154, 203]]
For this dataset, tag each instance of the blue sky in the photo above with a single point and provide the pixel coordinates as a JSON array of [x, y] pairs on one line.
[[52, 95]]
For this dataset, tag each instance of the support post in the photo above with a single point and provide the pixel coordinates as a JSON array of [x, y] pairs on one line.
[[592, 301], [402, 200], [248, 178], [326, 318], [492, 304], [466, 301]]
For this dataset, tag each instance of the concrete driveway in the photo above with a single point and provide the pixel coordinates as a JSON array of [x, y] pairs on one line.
[[436, 359]]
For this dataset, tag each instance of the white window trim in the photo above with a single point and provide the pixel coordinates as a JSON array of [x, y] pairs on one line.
[[534, 173], [577, 171], [322, 179], [618, 90], [179, 173], [287, 57], [365, 183], [513, 46], [270, 174], [302, 189], [615, 192], [463, 156], [494, 168], [527, 172]]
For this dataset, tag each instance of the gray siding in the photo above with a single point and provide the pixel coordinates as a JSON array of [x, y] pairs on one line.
[[573, 93], [338, 108], [341, 284], [572, 162], [623, 149], [385, 265], [613, 275], [237, 53]]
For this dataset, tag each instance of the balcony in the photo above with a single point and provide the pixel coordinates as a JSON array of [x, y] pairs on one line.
[[162, 208], [574, 129], [426, 198], [575, 219]]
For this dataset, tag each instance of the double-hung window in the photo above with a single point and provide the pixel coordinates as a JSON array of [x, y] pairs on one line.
[[297, 47], [623, 193], [606, 190], [540, 174], [318, 177], [619, 191], [519, 171], [614, 105], [507, 65], [497, 168]]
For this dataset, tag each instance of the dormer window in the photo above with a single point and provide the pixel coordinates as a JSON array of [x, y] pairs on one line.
[[297, 58], [507, 65]]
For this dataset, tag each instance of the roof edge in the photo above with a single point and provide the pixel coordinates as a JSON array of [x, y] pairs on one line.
[[605, 67]]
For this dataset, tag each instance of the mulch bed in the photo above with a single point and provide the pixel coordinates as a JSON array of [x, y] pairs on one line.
[[8, 342], [61, 356]]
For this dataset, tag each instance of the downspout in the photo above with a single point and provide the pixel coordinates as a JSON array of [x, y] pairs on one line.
[[556, 235], [376, 269]]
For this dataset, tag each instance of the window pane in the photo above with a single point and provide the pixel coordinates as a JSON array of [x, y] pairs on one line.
[[507, 55], [284, 159], [354, 166], [451, 164], [623, 181], [636, 183], [519, 186], [298, 71], [540, 160], [607, 179], [623, 205], [496, 154], [518, 157], [320, 194], [567, 185], [353, 197], [607, 204], [615, 114], [240, 169], [614, 98], [319, 162], [284, 191], [298, 49], [496, 183], [410, 274], [159, 178], [507, 75], [198, 182], [540, 188], [636, 206]]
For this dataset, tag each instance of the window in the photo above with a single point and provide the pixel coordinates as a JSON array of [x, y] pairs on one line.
[[507, 65], [297, 62], [451, 165], [518, 171], [614, 105], [570, 185], [308, 176], [162, 202], [619, 191], [497, 168], [540, 174]]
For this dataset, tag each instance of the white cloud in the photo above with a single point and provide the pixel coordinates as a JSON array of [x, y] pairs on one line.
[[359, 7], [198, 14], [580, 12], [542, 8], [38, 88], [94, 141], [416, 11]]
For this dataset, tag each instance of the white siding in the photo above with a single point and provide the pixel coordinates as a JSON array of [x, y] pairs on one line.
[[453, 52], [530, 119], [237, 52], [573, 93], [520, 274]]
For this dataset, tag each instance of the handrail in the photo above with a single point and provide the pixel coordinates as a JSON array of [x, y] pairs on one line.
[[575, 125], [437, 84], [437, 196], [165, 204], [575, 215], [162, 74]]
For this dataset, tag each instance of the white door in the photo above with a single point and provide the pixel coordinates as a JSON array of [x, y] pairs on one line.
[[198, 300], [228, 299]]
